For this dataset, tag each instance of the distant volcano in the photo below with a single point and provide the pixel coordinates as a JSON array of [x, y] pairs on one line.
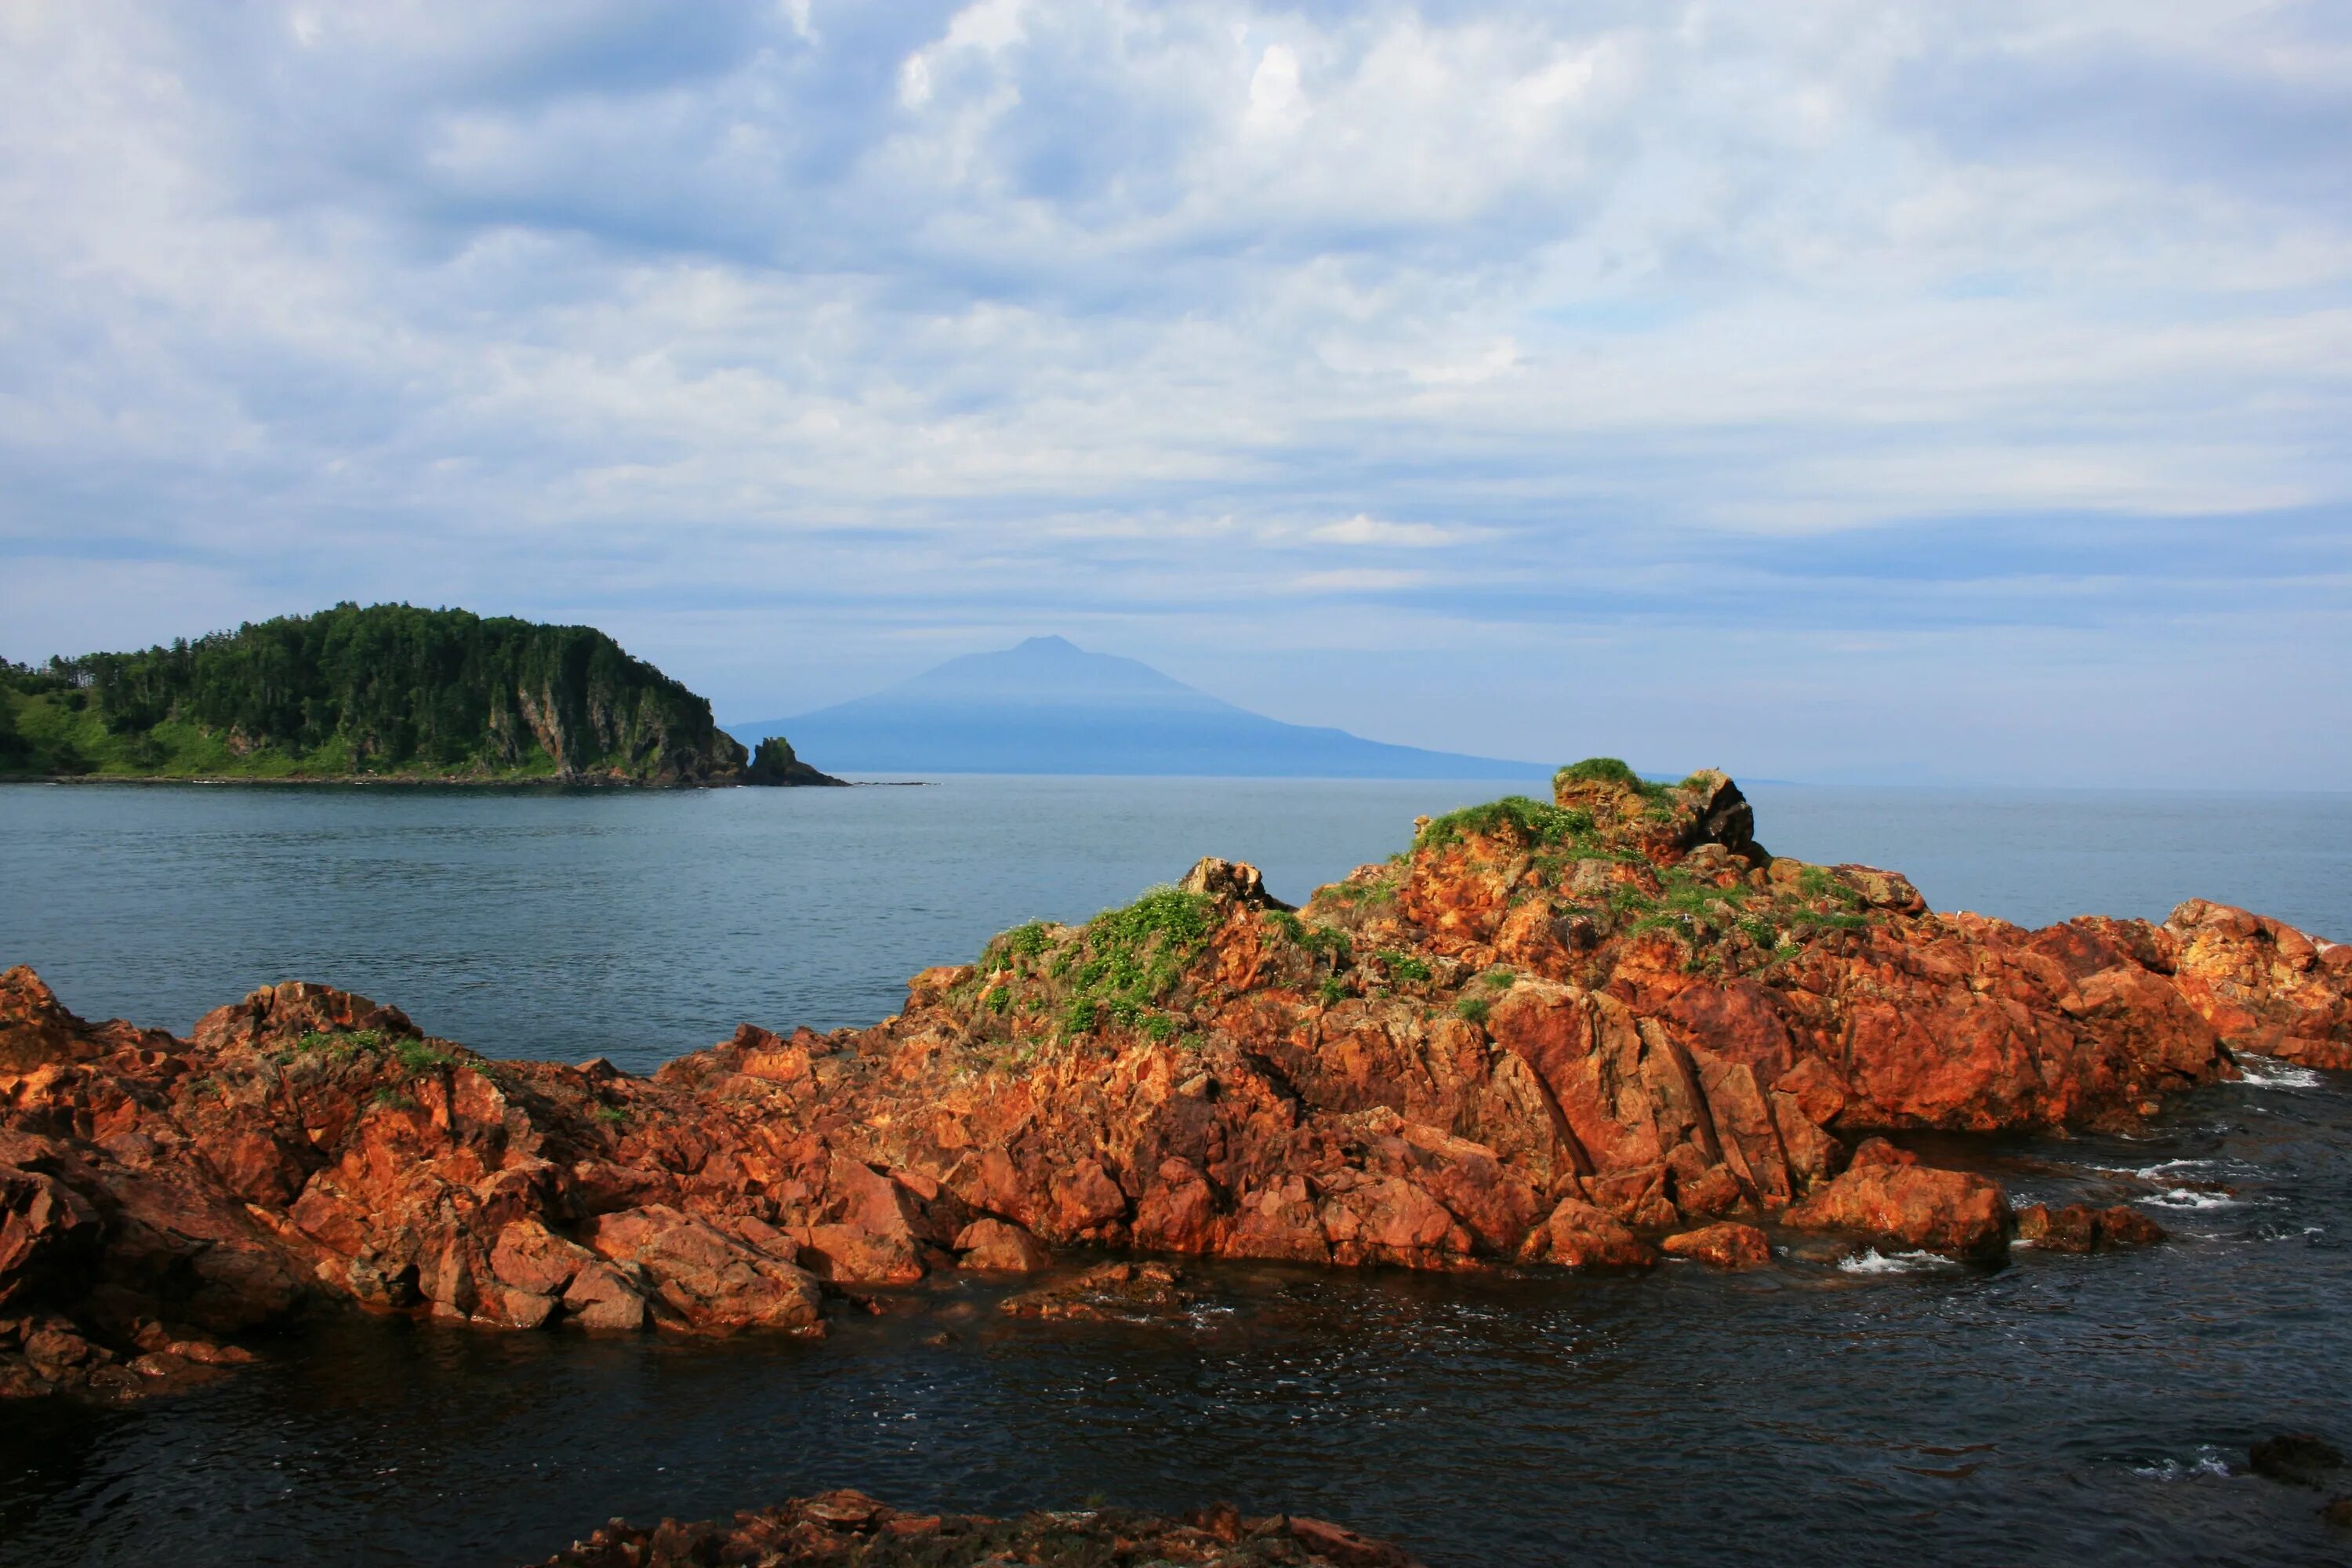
[[1049, 707]]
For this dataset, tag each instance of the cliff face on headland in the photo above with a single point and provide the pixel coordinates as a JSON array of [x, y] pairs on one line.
[[1569, 1033], [387, 691]]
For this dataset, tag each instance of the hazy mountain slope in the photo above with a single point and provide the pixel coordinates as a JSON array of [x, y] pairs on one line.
[[1048, 707]]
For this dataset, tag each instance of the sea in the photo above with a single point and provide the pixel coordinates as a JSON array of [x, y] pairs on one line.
[[2052, 1410]]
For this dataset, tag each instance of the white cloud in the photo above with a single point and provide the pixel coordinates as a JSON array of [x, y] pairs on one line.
[[1365, 529], [1007, 313], [1276, 104]]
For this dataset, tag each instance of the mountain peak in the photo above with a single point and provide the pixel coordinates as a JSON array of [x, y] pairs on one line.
[[1047, 706]]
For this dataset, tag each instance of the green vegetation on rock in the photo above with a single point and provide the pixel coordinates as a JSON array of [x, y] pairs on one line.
[[384, 691], [1534, 822]]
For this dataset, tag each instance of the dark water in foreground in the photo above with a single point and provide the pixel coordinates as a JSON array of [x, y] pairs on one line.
[[2059, 1410]]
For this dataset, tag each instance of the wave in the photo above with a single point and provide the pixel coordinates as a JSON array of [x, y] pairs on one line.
[[2208, 1462], [2268, 1072], [1870, 1260], [2191, 1199]]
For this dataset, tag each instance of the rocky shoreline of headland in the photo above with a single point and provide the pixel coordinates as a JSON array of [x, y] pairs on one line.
[[1581, 1034]]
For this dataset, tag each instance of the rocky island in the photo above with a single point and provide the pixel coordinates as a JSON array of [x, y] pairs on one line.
[[376, 694], [1574, 1034]]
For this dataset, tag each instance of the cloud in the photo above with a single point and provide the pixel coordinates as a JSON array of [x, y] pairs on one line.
[[1688, 332], [1356, 580], [1365, 529]]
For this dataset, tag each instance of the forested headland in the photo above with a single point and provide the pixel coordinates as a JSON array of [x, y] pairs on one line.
[[381, 691]]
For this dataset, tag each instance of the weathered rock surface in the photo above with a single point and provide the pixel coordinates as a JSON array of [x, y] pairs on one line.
[[1726, 1244], [2263, 985], [1549, 1035], [1887, 1195], [847, 1527]]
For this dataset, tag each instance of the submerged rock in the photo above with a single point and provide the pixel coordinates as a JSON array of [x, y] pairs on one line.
[[1550, 1034], [2298, 1458], [1108, 1292], [847, 1527], [2078, 1228]]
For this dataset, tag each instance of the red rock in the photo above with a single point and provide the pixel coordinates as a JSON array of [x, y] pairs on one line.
[[1344, 1547], [1579, 1235], [1690, 1032], [1726, 1245], [846, 1527], [998, 1246], [702, 1278], [1911, 1205], [2264, 986]]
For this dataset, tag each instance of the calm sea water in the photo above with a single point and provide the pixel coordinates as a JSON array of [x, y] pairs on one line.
[[641, 924], [2055, 1411]]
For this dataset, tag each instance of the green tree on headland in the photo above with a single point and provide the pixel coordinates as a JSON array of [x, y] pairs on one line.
[[387, 690]]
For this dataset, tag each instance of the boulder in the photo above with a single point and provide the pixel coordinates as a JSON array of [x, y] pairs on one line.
[[1000, 1247], [1729, 1245], [1579, 1235], [2298, 1458], [1887, 1197], [702, 1279]]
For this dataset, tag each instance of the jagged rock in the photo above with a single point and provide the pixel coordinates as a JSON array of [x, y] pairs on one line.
[[843, 1528], [1546, 1034], [1232, 880], [2263, 985], [773, 763]]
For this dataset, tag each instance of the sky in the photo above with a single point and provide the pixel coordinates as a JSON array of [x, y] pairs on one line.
[[1837, 391]]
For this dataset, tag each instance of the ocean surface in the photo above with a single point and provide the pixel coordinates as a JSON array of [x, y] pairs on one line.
[[641, 924], [2056, 1410]]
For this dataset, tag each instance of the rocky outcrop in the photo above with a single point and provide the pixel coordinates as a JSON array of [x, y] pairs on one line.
[[2263, 985], [1888, 1195], [775, 763], [1549, 1035], [847, 1527]]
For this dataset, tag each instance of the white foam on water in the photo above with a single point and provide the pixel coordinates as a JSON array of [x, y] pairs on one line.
[[2190, 1198], [2268, 1072], [2162, 1171], [2208, 1462], [1870, 1260]]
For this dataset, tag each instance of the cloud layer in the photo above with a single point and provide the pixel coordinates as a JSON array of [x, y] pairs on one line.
[[1861, 390]]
